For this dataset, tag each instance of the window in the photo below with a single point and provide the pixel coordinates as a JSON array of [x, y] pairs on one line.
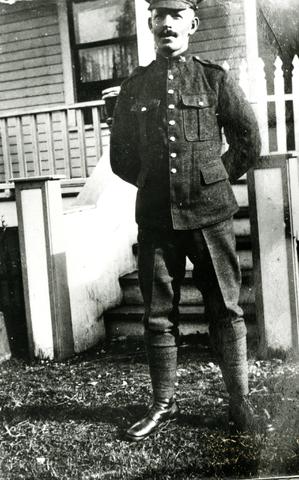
[[105, 44]]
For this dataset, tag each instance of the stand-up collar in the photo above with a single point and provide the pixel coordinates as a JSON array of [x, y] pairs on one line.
[[170, 61]]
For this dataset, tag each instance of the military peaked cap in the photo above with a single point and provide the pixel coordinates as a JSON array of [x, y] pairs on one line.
[[173, 4]]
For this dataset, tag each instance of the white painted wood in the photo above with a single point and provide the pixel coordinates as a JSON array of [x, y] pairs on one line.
[[293, 171], [251, 32], [38, 296], [5, 149], [295, 88], [145, 42], [49, 142], [259, 100], [69, 82], [44, 272], [273, 258], [244, 78], [280, 107], [225, 65]]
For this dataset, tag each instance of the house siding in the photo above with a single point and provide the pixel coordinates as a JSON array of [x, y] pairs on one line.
[[221, 33], [31, 72]]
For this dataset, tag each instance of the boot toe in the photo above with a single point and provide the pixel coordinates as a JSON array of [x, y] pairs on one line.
[[141, 429], [157, 416], [244, 419]]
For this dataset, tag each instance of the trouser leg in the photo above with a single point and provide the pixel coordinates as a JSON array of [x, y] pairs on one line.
[[161, 268], [217, 275], [221, 289], [161, 265]]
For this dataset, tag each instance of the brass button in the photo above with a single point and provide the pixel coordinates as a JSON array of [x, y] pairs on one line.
[[173, 155], [171, 91], [171, 106], [143, 109], [173, 170], [200, 103], [170, 76], [171, 122], [172, 139]]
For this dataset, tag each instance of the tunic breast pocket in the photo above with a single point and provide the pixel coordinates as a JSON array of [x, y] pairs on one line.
[[199, 116], [146, 113]]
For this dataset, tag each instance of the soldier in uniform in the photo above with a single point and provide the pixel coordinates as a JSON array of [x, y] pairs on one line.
[[166, 140]]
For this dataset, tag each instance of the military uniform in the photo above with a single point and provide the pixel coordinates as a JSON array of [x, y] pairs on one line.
[[166, 139]]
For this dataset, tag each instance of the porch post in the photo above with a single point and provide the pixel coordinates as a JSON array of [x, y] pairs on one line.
[[274, 254], [145, 42], [46, 291], [251, 32], [68, 74]]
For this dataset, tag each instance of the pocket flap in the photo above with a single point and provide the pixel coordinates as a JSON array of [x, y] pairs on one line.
[[200, 100], [213, 173], [143, 107]]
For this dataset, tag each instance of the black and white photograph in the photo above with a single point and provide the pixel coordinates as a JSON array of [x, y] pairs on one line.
[[149, 239]]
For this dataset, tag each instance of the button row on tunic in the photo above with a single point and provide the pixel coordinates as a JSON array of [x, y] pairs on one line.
[[171, 122]]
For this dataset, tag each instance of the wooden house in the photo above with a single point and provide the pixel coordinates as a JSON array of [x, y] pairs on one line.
[[56, 58]]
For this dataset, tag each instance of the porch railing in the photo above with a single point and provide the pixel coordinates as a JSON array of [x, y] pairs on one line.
[[63, 140]]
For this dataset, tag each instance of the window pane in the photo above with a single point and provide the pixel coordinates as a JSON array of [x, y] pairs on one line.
[[107, 62], [99, 20]]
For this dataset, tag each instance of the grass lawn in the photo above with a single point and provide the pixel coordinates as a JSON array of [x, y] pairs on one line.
[[65, 420]]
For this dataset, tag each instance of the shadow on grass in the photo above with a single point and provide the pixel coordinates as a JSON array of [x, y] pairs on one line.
[[121, 416]]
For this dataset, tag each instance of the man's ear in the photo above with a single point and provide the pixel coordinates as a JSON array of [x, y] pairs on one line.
[[150, 23], [194, 25]]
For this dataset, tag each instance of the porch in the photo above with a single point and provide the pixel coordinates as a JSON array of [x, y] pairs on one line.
[[89, 242], [66, 140]]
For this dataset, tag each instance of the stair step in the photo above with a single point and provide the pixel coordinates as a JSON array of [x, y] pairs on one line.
[[126, 321], [132, 278], [190, 295]]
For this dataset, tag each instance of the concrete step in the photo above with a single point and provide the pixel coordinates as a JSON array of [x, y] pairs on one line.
[[190, 295], [126, 321]]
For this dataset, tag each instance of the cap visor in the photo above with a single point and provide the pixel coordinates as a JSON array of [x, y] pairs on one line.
[[175, 5]]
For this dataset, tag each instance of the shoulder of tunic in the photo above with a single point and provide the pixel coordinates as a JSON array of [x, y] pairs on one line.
[[137, 72], [208, 63]]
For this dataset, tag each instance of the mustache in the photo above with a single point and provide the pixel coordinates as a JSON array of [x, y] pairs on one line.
[[167, 33]]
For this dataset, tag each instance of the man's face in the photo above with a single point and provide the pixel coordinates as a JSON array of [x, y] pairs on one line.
[[171, 29]]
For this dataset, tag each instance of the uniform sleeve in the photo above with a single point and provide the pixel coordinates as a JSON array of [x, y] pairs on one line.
[[240, 127], [124, 156]]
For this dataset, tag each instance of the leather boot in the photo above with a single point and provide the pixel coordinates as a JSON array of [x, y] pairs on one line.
[[158, 415], [242, 417]]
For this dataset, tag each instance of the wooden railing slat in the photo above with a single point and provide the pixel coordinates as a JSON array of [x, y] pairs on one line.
[[97, 131], [81, 141], [49, 130], [261, 105], [58, 108], [66, 144], [5, 148], [35, 146], [280, 107], [20, 147]]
